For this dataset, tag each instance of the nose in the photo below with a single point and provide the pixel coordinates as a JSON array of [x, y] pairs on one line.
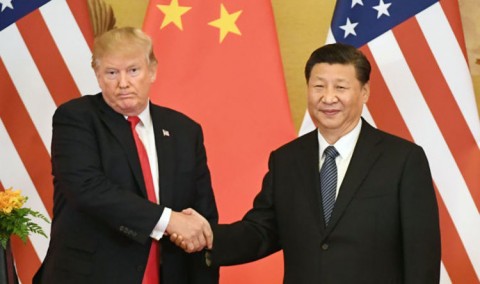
[[329, 96], [123, 81]]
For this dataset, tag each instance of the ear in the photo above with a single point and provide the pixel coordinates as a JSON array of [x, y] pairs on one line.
[[365, 92], [152, 69]]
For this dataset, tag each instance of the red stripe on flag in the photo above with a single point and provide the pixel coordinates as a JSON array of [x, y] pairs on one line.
[[441, 102], [380, 99], [80, 11], [454, 256], [26, 259], [452, 12], [26, 139], [47, 58]]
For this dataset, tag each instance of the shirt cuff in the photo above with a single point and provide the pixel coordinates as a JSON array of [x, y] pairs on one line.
[[162, 224]]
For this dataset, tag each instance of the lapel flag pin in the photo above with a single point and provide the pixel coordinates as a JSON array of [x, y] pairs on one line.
[[165, 132]]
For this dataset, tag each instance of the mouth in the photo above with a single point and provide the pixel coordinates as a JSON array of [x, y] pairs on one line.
[[330, 112], [124, 95]]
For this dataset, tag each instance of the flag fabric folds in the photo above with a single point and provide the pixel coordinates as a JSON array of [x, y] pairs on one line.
[[219, 63], [421, 90], [44, 61]]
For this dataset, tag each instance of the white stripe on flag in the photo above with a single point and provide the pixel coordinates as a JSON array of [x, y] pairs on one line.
[[307, 124], [444, 277], [417, 116], [34, 94], [368, 117], [71, 44], [14, 172], [330, 37], [452, 63]]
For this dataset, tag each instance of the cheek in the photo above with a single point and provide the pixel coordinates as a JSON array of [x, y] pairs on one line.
[[311, 103], [108, 85], [313, 97]]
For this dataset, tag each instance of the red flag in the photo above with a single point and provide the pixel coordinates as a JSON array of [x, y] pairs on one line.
[[219, 63], [421, 90], [44, 61]]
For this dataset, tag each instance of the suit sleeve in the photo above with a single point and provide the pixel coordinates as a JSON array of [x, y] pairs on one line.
[[255, 236], [204, 203], [81, 180], [420, 222]]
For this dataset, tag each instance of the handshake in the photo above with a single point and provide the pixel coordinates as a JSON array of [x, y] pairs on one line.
[[190, 231]]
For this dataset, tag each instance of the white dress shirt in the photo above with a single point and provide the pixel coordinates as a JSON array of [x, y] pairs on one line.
[[145, 131], [345, 147]]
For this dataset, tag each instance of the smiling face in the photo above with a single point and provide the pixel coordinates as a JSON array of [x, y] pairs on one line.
[[125, 81], [335, 99]]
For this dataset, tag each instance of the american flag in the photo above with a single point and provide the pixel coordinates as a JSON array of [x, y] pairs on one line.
[[421, 89], [44, 61]]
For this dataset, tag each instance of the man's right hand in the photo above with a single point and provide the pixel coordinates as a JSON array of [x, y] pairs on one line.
[[190, 230]]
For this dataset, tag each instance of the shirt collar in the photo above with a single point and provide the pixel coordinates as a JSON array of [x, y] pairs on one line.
[[345, 144], [145, 117]]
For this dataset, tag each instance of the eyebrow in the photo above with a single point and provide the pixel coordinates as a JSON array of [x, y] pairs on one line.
[[336, 80]]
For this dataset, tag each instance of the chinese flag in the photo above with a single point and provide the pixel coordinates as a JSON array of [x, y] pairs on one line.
[[219, 63]]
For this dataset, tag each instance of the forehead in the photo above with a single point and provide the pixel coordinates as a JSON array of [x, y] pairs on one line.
[[123, 59], [336, 70]]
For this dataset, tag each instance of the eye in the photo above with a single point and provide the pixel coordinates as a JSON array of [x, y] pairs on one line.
[[341, 88], [134, 71], [111, 74]]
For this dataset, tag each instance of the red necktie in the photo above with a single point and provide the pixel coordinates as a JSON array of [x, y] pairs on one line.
[[152, 271]]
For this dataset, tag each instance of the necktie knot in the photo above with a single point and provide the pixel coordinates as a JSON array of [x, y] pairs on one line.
[[134, 120], [330, 152]]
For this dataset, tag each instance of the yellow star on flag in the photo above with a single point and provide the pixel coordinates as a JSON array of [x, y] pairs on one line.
[[226, 23], [173, 14]]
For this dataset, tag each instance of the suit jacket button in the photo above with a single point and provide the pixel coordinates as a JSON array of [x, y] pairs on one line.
[[324, 246], [208, 258], [140, 268]]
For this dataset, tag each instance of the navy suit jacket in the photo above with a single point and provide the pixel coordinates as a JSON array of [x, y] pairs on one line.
[[101, 216], [384, 227]]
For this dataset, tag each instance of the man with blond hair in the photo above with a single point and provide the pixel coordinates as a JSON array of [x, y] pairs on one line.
[[123, 168]]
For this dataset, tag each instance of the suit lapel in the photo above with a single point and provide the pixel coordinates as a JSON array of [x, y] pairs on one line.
[[120, 129], [164, 142], [308, 167], [365, 154]]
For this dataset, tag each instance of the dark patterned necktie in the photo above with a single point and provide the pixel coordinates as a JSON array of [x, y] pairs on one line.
[[328, 182]]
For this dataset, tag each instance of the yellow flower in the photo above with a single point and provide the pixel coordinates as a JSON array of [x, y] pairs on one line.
[[11, 199], [15, 220]]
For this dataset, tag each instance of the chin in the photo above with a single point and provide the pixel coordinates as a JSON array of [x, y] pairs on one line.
[[126, 109]]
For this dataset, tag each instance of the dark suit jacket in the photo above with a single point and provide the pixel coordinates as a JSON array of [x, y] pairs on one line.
[[384, 227], [101, 216]]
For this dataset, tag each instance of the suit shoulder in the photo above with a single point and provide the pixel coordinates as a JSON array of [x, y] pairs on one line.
[[81, 103], [396, 144], [309, 139], [397, 140], [172, 116]]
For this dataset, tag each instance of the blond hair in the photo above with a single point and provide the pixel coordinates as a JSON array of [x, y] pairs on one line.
[[123, 40]]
